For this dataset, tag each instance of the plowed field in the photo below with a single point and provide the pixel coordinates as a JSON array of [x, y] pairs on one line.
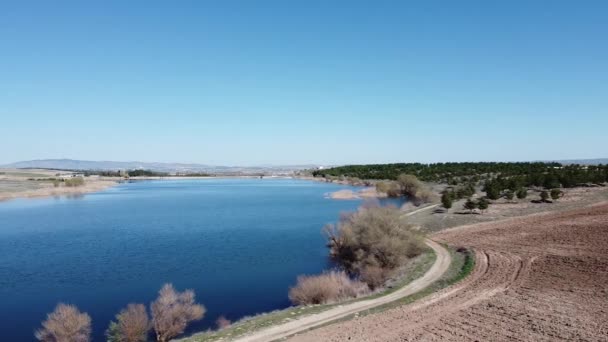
[[536, 278]]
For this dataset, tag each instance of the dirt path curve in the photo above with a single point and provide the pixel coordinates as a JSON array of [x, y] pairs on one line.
[[280, 331], [536, 278], [420, 210]]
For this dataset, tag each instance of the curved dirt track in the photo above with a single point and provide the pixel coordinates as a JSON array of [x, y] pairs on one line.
[[441, 264], [536, 278]]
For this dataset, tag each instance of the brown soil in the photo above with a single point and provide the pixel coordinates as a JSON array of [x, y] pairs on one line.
[[537, 278]]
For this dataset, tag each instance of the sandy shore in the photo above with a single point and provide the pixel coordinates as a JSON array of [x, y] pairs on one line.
[[369, 192], [47, 189]]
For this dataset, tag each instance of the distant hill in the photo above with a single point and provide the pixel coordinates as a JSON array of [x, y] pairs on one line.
[[71, 164]]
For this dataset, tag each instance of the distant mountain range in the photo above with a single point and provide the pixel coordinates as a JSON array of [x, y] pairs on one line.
[[71, 164]]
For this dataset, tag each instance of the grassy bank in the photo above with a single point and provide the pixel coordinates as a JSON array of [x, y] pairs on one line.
[[413, 270], [461, 266]]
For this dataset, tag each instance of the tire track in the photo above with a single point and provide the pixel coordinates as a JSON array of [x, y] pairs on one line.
[[537, 278]]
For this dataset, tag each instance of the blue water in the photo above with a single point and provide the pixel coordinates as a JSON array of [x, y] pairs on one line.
[[238, 243]]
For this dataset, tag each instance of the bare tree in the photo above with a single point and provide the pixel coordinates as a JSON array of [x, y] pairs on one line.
[[65, 324], [172, 312], [132, 325], [410, 185]]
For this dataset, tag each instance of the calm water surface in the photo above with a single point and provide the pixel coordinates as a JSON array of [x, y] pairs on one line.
[[239, 243]]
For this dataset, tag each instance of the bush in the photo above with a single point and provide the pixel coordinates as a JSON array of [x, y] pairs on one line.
[[492, 192], [325, 288], [73, 182], [222, 322], [409, 184], [470, 205], [522, 193], [393, 190], [544, 196], [374, 276], [132, 325], [555, 194], [509, 195], [65, 323], [373, 237], [172, 312], [382, 187], [483, 204], [424, 195], [446, 200]]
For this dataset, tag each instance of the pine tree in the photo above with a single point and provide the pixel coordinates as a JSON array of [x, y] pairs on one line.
[[446, 200], [483, 204], [470, 205]]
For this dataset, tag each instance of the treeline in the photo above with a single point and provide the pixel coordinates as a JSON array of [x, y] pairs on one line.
[[527, 173], [566, 177], [123, 173]]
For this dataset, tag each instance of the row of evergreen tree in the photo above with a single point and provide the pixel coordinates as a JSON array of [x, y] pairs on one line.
[[506, 175]]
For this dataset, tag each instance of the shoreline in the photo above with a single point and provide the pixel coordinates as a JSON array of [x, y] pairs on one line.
[[62, 191], [23, 188]]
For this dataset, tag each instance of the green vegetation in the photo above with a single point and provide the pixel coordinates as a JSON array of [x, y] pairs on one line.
[[470, 205], [496, 176], [451, 173], [522, 193], [556, 194], [544, 196], [483, 204], [446, 200]]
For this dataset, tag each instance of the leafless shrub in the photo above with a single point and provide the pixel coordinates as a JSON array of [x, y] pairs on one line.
[[328, 287], [373, 237], [410, 185], [374, 276], [172, 312], [132, 325], [65, 324], [393, 190], [222, 322], [425, 195], [382, 187]]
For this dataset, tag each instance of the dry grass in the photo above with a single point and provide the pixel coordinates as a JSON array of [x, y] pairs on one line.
[[332, 286]]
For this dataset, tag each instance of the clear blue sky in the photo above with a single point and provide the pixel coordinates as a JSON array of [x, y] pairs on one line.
[[284, 82]]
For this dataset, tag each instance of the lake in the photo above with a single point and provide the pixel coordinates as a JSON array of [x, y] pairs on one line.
[[238, 243]]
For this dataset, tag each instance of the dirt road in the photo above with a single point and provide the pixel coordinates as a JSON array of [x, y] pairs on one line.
[[537, 278], [276, 332]]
